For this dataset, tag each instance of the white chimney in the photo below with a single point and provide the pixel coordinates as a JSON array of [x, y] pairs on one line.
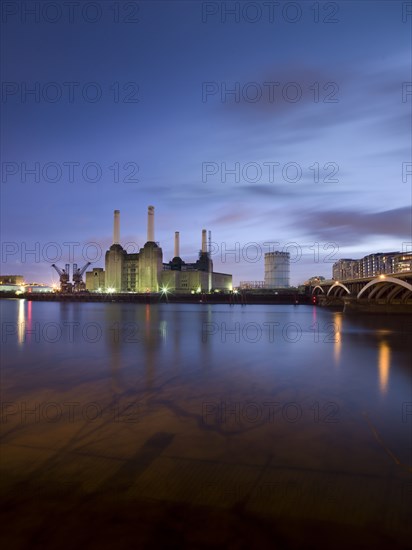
[[204, 240], [150, 224], [177, 245], [116, 227]]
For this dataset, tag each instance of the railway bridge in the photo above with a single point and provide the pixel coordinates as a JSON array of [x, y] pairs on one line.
[[385, 292]]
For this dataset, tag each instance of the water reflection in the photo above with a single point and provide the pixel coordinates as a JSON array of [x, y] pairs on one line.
[[337, 342], [24, 323], [140, 342], [151, 343], [163, 330], [384, 363], [314, 314], [21, 319]]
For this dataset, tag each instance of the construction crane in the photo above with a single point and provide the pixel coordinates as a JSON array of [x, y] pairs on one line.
[[78, 284], [64, 274]]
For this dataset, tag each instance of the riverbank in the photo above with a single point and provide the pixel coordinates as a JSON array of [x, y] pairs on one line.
[[216, 298], [356, 306]]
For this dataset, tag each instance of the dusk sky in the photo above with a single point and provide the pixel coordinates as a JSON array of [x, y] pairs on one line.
[[165, 128]]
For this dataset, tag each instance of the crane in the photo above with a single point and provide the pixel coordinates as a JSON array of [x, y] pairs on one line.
[[78, 284], [64, 274]]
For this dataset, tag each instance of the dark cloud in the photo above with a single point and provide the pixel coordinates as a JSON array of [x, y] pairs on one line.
[[352, 226], [361, 95], [281, 90]]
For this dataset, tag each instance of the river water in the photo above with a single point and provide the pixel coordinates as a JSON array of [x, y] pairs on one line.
[[296, 416]]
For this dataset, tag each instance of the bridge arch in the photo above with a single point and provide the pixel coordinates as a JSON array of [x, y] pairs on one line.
[[381, 285], [337, 285], [319, 288]]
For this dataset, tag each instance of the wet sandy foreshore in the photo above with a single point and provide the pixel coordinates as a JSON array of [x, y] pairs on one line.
[[61, 519], [113, 485]]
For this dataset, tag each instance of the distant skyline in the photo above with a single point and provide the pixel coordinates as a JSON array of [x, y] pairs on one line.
[[316, 256], [311, 121]]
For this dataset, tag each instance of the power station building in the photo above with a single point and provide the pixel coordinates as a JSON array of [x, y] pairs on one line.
[[277, 270], [95, 279], [145, 271]]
